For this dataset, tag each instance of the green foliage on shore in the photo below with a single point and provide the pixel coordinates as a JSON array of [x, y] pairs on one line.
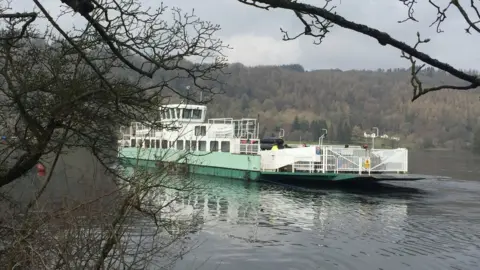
[[349, 103]]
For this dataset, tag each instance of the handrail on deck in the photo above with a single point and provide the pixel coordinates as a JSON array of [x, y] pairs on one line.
[[347, 160]]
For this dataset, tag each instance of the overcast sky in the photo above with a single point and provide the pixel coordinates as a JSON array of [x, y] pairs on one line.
[[255, 36]]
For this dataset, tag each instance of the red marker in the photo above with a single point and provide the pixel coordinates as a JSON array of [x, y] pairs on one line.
[[40, 169]]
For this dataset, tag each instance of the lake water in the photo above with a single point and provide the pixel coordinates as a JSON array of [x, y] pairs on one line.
[[430, 224]]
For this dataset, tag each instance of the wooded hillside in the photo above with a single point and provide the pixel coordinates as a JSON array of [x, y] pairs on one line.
[[349, 103]]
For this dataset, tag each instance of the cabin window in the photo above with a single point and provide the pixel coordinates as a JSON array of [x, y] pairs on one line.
[[132, 142], [139, 143], [197, 114], [180, 145], [171, 144], [200, 130], [152, 143], [164, 144], [187, 145], [213, 146], [202, 146], [187, 113], [179, 113], [193, 145], [147, 143], [172, 113], [225, 147], [168, 114], [157, 143]]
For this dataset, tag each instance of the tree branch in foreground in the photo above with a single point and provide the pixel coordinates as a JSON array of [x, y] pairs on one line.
[[68, 91], [326, 14], [75, 81]]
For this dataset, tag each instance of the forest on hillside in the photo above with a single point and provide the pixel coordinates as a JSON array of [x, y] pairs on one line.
[[349, 103]]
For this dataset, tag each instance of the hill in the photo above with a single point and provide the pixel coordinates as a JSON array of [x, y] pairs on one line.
[[349, 103]]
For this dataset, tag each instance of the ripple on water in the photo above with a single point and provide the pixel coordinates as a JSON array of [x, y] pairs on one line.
[[271, 227]]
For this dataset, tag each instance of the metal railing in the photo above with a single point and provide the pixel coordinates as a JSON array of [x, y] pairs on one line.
[[245, 149], [326, 163], [220, 121], [223, 133], [335, 159]]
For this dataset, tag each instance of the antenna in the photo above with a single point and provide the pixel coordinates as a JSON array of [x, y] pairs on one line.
[[188, 94]]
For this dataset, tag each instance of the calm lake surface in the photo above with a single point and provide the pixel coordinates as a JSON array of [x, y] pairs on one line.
[[429, 224]]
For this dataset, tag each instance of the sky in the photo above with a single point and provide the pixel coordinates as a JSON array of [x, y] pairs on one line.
[[255, 38]]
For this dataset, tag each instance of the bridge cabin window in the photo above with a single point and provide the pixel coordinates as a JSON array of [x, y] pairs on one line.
[[192, 114], [169, 113], [147, 143], [200, 130], [164, 144], [196, 114], [187, 114], [214, 146], [225, 146], [133, 142], [157, 143], [202, 146], [182, 113], [152, 143]]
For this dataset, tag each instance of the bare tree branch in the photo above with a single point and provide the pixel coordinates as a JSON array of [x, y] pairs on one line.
[[409, 52], [63, 90], [27, 18]]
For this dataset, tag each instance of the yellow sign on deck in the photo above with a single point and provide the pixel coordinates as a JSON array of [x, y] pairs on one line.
[[367, 164]]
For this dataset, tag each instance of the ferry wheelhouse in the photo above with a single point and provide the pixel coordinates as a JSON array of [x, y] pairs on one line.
[[228, 147]]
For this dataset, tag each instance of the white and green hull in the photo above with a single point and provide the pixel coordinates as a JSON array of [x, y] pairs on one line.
[[238, 166], [219, 164]]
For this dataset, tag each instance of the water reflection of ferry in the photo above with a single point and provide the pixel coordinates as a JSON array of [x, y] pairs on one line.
[[237, 204]]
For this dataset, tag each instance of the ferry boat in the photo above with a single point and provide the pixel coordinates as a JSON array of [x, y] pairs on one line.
[[231, 148]]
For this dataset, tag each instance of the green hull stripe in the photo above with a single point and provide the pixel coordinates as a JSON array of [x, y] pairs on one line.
[[199, 169], [210, 159]]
